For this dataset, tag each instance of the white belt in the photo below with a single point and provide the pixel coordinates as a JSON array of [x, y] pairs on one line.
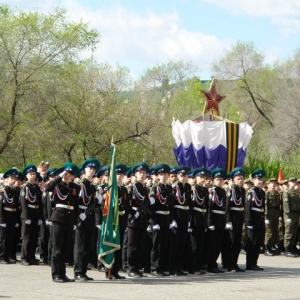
[[69, 207], [203, 210], [83, 207], [33, 206], [10, 209], [163, 212], [182, 207], [221, 212], [121, 212], [237, 208], [257, 209]]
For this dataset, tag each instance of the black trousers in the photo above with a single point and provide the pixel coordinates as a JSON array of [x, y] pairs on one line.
[[197, 241], [29, 240], [124, 251], [15, 245], [43, 241], [215, 241], [226, 256], [236, 242], [178, 243], [159, 248], [61, 244], [82, 250], [254, 241], [6, 240]]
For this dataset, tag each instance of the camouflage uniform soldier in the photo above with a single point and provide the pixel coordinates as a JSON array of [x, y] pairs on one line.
[[272, 213], [291, 206]]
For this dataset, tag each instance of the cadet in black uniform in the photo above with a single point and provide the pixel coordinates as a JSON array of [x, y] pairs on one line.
[[160, 220], [9, 214], [198, 221], [255, 221], [180, 220], [137, 228], [84, 233], [216, 219], [63, 218], [32, 214], [235, 215]]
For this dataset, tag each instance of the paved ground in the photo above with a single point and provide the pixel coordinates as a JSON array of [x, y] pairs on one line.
[[279, 280]]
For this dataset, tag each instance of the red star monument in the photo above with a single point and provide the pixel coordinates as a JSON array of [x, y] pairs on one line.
[[212, 99]]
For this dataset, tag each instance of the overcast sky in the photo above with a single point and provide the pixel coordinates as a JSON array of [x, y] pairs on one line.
[[140, 34]]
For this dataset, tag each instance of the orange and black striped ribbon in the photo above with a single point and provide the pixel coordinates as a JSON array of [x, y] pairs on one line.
[[232, 139]]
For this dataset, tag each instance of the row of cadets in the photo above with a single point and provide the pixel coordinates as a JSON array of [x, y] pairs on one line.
[[9, 215]]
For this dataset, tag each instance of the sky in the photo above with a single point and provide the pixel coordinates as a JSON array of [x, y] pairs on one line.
[[140, 34]]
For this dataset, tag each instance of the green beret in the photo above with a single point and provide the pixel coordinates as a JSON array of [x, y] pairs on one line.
[[237, 172], [50, 173], [258, 173], [293, 179], [72, 169], [272, 179], [11, 172], [173, 169], [129, 172], [182, 170], [92, 163], [20, 175], [200, 172], [141, 166], [219, 172], [29, 168], [39, 178], [285, 181]]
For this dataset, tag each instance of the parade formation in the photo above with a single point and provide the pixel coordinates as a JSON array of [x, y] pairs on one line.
[[173, 220]]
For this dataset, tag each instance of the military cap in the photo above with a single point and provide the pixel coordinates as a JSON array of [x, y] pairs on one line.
[[39, 178], [173, 169], [92, 163], [11, 172], [298, 180], [140, 166], [104, 170], [20, 175], [258, 173], [50, 173], [182, 170], [293, 179], [208, 173], [151, 170], [272, 179], [72, 169], [161, 168], [248, 180], [219, 172], [129, 172], [200, 172], [237, 172], [121, 168], [285, 181], [29, 168]]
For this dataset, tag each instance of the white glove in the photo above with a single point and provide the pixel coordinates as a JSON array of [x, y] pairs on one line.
[[170, 227], [149, 229], [152, 200], [40, 222], [212, 227], [3, 225], [74, 227], [289, 221], [28, 222], [82, 216], [244, 226], [267, 222], [49, 223], [17, 225], [228, 226], [136, 215], [190, 230], [250, 227], [156, 227], [99, 227], [280, 218], [62, 174], [100, 198], [174, 224]]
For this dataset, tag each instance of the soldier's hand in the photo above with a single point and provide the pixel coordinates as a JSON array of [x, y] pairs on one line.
[[17, 225], [62, 174], [3, 225], [174, 224], [100, 198], [152, 200], [74, 227], [267, 222], [212, 227], [190, 230], [149, 229], [156, 227], [28, 222], [49, 223], [289, 221], [99, 227], [40, 222], [228, 226], [82, 216], [250, 227]]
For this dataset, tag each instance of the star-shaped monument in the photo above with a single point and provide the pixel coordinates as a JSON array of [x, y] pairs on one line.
[[212, 99]]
